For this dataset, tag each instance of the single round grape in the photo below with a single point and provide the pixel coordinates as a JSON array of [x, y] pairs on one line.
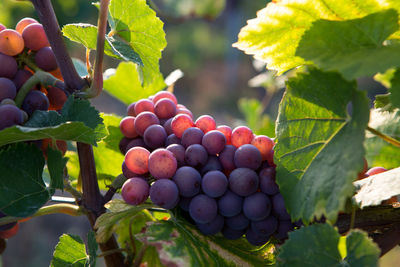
[[231, 234], [196, 155], [184, 203], [184, 111], [165, 108], [144, 120], [230, 204], [164, 193], [237, 222], [256, 239], [265, 227], [45, 59], [172, 139], [144, 105], [162, 164], [180, 123], [226, 157], [10, 115], [212, 227], [21, 76], [206, 123], [278, 206], [241, 135], [257, 206], [57, 97], [35, 100], [155, 136], [7, 226], [203, 209], [264, 144], [267, 181], [7, 89], [243, 181], [11, 42], [192, 135], [164, 94], [212, 164], [135, 191], [179, 153], [123, 143], [130, 110], [127, 127], [214, 142], [136, 142], [188, 180], [284, 227], [247, 156], [375, 170], [35, 36], [167, 126], [21, 25], [214, 184], [8, 66], [227, 131], [137, 160]]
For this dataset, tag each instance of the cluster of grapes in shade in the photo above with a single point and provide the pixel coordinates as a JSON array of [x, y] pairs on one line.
[[223, 179], [23, 51]]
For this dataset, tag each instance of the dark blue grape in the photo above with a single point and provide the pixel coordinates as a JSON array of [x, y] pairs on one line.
[[214, 184], [248, 156], [10, 115], [154, 136], [278, 207], [267, 181], [232, 234], [196, 155], [214, 142], [184, 203], [284, 227], [167, 126], [265, 227], [35, 100], [230, 204], [164, 193], [226, 157], [237, 222], [212, 227], [243, 181], [257, 206], [256, 239], [191, 136], [212, 164], [188, 180], [7, 89], [45, 59], [203, 209], [172, 139]]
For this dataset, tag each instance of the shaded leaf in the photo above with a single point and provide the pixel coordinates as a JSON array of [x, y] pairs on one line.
[[319, 148], [56, 164], [123, 50], [385, 78], [92, 249], [191, 8], [70, 251], [395, 89]]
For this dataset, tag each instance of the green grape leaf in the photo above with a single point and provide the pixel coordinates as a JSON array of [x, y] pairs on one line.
[[81, 110], [56, 164], [125, 85], [318, 245], [190, 246], [274, 35], [385, 78], [137, 25], [358, 39], [395, 89], [377, 188], [259, 122], [86, 34], [319, 149], [380, 152], [70, 251], [80, 67], [22, 188], [383, 102], [92, 248]]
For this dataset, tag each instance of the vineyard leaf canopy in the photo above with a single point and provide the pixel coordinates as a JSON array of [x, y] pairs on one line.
[[274, 35], [358, 39], [70, 251], [395, 89], [317, 245], [319, 148]]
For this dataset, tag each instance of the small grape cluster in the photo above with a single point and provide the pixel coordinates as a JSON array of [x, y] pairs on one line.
[[22, 51], [223, 179]]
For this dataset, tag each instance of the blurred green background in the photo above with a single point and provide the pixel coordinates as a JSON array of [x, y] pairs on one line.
[[219, 80]]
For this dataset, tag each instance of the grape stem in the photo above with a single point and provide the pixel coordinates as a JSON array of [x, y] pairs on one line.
[[385, 137], [69, 209]]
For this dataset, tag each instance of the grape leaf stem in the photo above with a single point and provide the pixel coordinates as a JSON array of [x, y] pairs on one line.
[[385, 137]]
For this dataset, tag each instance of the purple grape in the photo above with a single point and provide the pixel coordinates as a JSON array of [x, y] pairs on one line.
[[136, 142], [8, 66], [144, 120], [192, 135], [130, 111], [164, 193], [165, 108], [267, 181], [172, 139], [184, 203], [214, 141], [212, 227], [123, 143], [212, 164], [283, 228], [10, 115], [230, 204], [21, 77], [214, 184], [243, 181], [265, 227], [257, 206], [45, 59], [179, 153], [247, 156], [278, 206], [226, 157], [155, 136], [162, 164], [188, 180], [203, 209], [7, 89], [167, 126], [232, 234], [237, 222], [129, 174], [35, 100], [135, 191], [196, 155], [256, 239]]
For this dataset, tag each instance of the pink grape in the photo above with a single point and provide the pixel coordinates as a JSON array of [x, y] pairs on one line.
[[264, 145], [137, 160], [127, 127], [144, 120], [241, 135], [227, 131], [162, 164], [164, 94], [180, 123], [135, 191], [143, 105], [206, 123]]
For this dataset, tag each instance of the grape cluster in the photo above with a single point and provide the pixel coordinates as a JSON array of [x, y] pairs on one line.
[[223, 179], [22, 51]]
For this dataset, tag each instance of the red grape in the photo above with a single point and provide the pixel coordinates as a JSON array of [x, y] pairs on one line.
[[165, 108], [21, 25], [206, 123], [127, 127], [241, 135], [227, 131], [11, 42], [162, 164], [164, 94], [264, 145], [144, 120], [35, 36], [180, 123], [135, 191], [144, 105], [137, 160]]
